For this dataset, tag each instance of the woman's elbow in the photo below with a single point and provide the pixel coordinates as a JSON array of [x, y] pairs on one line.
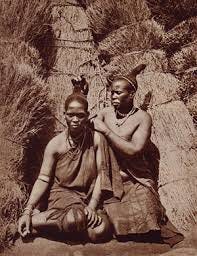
[[134, 150]]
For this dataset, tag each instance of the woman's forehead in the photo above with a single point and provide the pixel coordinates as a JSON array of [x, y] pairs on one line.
[[76, 106], [120, 84]]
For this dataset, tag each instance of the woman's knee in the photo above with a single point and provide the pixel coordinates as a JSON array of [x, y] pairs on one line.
[[101, 233], [74, 221]]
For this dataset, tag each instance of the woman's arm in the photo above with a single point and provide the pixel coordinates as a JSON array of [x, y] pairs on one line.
[[90, 210], [38, 190], [96, 194], [42, 182], [138, 140]]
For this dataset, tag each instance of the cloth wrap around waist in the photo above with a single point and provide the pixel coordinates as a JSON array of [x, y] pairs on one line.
[[75, 176]]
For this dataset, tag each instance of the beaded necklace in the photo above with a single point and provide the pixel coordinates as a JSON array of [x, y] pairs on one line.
[[75, 144], [124, 118]]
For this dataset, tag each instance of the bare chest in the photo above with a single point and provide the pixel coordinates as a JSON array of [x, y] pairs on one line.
[[124, 127]]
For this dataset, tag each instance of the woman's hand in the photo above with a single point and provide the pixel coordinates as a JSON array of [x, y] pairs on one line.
[[101, 126], [93, 218], [24, 224]]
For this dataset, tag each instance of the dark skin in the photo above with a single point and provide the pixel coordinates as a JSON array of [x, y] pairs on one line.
[[76, 117], [131, 137]]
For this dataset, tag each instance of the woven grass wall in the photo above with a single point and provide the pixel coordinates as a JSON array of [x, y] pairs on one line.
[[76, 55]]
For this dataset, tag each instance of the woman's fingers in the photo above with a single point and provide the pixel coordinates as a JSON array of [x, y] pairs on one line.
[[24, 226], [20, 228], [91, 219], [95, 221], [99, 220], [25, 232], [85, 211], [88, 214], [28, 226]]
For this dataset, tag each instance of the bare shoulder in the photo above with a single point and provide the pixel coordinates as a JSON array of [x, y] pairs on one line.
[[55, 143], [144, 117]]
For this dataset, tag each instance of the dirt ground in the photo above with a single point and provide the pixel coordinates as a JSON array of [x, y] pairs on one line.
[[45, 247]]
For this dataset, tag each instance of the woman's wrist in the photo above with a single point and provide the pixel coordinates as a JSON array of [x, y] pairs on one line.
[[93, 203], [29, 206], [107, 132], [28, 210]]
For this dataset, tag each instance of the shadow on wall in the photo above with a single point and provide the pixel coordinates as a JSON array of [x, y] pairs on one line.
[[45, 44], [152, 153], [34, 153]]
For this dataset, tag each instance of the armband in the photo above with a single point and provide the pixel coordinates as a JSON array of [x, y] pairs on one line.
[[27, 213], [28, 210], [44, 178], [29, 207]]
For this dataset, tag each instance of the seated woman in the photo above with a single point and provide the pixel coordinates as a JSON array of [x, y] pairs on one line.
[[71, 173]]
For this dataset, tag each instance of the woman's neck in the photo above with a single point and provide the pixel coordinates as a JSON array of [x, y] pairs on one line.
[[76, 134], [125, 109]]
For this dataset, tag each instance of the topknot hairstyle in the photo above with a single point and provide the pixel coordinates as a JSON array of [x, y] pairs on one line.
[[80, 86], [79, 94], [130, 77]]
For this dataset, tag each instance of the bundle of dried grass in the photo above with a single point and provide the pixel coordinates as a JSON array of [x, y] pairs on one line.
[[171, 12], [106, 16], [26, 126], [156, 61], [141, 36], [191, 106], [184, 33], [27, 21], [25, 106], [188, 92], [21, 52], [184, 64], [184, 61], [12, 199], [24, 20], [25, 110]]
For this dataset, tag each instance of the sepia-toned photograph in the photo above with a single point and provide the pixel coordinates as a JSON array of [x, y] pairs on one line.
[[98, 127]]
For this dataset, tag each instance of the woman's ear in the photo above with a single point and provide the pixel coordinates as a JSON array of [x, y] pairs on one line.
[[132, 94]]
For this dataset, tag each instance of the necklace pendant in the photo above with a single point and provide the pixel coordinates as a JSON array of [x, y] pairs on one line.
[[121, 114], [75, 145], [124, 117], [117, 124]]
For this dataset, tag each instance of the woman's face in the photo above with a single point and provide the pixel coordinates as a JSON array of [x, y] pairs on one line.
[[120, 95], [76, 116]]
